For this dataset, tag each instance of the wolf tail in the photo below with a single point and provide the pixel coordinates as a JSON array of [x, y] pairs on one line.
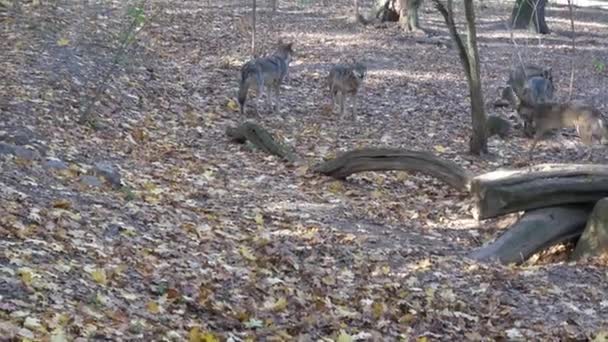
[[247, 73], [243, 89]]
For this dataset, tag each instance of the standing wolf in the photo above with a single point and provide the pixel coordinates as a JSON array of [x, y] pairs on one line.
[[265, 71], [345, 80], [588, 121], [538, 81]]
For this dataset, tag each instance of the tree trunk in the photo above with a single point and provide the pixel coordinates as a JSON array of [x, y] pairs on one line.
[[507, 191], [594, 241], [356, 10], [253, 22], [529, 14], [469, 58], [273, 5], [533, 232], [385, 159], [478, 142], [408, 14]]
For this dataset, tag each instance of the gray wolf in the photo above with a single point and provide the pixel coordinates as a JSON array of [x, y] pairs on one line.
[[265, 72]]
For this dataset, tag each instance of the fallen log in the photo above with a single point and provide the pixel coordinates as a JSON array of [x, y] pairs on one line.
[[594, 240], [533, 232], [506, 191], [385, 159], [260, 138]]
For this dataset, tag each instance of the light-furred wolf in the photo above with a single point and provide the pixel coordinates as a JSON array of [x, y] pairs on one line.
[[588, 121], [345, 80], [265, 71]]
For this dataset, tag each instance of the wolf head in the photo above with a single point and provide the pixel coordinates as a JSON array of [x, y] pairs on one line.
[[538, 90], [285, 51], [359, 70], [600, 131], [548, 74]]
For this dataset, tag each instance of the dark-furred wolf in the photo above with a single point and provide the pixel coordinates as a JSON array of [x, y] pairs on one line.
[[265, 72]]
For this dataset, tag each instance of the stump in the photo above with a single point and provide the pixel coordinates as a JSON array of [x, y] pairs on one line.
[[594, 240]]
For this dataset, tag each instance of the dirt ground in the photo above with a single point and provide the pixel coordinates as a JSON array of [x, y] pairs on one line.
[[211, 240]]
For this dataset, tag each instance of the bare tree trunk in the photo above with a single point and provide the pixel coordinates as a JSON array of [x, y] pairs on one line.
[[356, 9], [571, 11], [253, 22], [529, 14], [408, 14], [478, 143], [469, 57], [273, 5]]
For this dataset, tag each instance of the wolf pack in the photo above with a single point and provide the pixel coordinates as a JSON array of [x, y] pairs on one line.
[[530, 89]]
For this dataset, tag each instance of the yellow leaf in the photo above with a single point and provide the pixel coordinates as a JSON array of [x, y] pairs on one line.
[[386, 270], [151, 187], [26, 275], [439, 148], [62, 204], [601, 336], [344, 337], [280, 304], [302, 170], [377, 309], [402, 176], [32, 323], [259, 219], [422, 339], [194, 335], [153, 307], [408, 318], [63, 42], [208, 337], [328, 280], [232, 105], [100, 277], [376, 194], [246, 253], [58, 335], [336, 187], [379, 179]]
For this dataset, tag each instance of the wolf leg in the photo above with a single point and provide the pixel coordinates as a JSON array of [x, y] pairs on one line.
[[277, 93], [341, 99]]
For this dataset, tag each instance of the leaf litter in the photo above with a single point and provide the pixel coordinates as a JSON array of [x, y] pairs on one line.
[[208, 240]]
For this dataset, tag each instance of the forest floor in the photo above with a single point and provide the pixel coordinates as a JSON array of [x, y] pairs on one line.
[[210, 240]]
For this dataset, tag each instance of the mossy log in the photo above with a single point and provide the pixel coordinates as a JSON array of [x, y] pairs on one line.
[[385, 159], [506, 191], [533, 232], [260, 138]]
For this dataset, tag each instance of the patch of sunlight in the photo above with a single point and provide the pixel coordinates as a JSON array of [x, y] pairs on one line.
[[417, 75], [566, 45], [579, 24], [497, 174], [463, 223], [338, 39]]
